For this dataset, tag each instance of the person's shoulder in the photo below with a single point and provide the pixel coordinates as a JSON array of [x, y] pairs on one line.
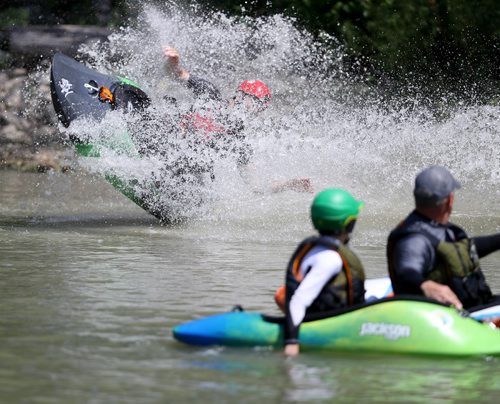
[[203, 87], [323, 253], [412, 242]]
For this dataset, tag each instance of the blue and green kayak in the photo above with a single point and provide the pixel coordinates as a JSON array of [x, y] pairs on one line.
[[388, 325]]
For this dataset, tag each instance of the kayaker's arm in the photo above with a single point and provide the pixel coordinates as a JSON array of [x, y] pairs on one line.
[[440, 293], [300, 184], [199, 86], [262, 186], [414, 255], [323, 267], [203, 88], [292, 349], [173, 60], [487, 244]]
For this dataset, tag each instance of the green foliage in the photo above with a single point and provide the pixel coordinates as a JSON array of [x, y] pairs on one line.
[[82, 12], [448, 41], [13, 16]]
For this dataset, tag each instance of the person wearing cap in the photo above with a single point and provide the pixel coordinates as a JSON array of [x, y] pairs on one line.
[[427, 255], [323, 274], [220, 123]]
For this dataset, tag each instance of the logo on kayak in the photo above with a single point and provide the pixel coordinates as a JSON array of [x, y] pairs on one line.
[[66, 87], [441, 319], [388, 331]]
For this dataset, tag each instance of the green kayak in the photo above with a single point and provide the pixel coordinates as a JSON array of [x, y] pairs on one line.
[[389, 325]]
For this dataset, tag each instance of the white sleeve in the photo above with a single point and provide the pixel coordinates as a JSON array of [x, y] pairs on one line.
[[324, 266]]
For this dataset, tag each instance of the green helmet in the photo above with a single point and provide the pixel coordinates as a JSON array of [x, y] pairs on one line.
[[333, 209]]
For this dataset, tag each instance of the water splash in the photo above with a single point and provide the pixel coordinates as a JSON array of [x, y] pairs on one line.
[[323, 123]]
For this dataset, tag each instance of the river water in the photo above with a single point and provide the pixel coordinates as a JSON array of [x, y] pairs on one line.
[[91, 285]]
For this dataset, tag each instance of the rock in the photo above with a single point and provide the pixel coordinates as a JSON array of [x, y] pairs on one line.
[[19, 72], [29, 136], [11, 134]]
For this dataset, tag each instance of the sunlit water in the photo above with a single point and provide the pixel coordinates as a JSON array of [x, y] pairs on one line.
[[91, 285]]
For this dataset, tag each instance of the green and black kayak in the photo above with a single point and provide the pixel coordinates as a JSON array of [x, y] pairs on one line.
[[81, 92], [388, 325]]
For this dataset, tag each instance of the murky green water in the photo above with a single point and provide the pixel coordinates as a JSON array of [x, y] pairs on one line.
[[91, 286]]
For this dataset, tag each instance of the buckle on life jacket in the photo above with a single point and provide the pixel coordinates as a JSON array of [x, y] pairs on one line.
[[105, 94]]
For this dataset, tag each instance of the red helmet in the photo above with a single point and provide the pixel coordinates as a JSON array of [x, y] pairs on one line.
[[256, 88]]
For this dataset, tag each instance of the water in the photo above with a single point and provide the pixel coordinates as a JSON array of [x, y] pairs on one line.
[[323, 123], [91, 285]]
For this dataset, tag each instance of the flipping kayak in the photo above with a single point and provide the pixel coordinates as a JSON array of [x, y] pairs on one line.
[[389, 325], [81, 92]]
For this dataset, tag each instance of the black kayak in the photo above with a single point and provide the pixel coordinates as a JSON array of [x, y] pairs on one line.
[[82, 92], [79, 91]]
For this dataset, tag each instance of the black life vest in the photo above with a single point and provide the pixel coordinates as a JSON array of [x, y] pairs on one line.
[[344, 289], [456, 262]]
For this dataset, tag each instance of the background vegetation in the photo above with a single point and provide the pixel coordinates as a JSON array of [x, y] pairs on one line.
[[430, 43], [452, 43]]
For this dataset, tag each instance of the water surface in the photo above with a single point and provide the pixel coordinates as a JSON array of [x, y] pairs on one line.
[[91, 286]]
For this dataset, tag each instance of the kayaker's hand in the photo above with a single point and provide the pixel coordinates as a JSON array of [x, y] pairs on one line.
[[292, 349], [441, 293], [300, 184], [173, 60]]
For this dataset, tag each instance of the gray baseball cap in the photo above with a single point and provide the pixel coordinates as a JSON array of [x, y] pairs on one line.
[[434, 184]]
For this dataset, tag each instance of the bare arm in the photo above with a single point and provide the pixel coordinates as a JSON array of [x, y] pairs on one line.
[[300, 184], [261, 185], [199, 86], [173, 62]]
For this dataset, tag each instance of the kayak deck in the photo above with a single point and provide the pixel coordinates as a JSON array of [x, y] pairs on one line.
[[396, 325]]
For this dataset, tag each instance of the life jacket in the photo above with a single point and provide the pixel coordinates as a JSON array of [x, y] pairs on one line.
[[227, 139], [344, 289], [202, 125], [456, 262]]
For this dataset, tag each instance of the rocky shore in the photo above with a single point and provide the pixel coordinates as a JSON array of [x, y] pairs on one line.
[[29, 135], [29, 138]]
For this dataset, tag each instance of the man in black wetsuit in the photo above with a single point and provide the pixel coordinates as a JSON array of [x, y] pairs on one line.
[[427, 255], [215, 124]]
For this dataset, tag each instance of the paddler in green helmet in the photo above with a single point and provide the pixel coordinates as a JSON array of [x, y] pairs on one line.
[[323, 274]]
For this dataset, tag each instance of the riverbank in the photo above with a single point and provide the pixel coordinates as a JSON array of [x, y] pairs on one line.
[[29, 136]]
